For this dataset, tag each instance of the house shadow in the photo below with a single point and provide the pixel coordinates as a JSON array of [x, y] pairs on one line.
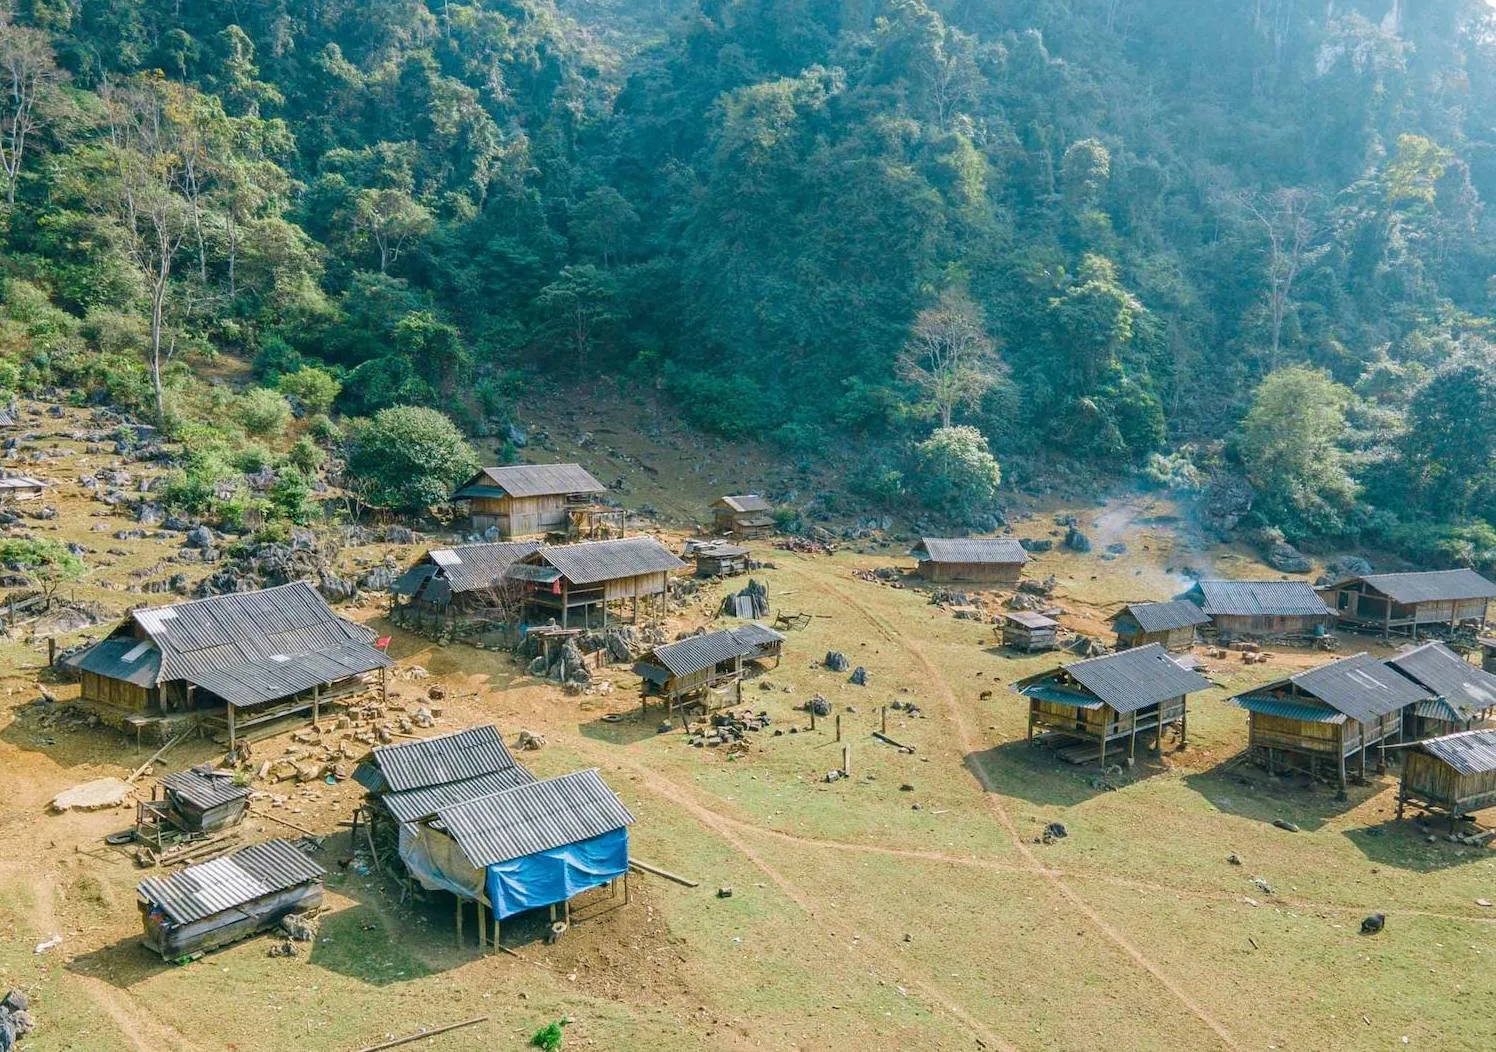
[[1238, 788], [1027, 771], [1404, 843], [121, 964], [359, 943], [623, 728]]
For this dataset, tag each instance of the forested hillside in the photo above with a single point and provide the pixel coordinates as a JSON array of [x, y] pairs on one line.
[[1181, 241]]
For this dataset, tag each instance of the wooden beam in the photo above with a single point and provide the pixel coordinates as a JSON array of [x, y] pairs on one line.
[[423, 1034], [645, 867]]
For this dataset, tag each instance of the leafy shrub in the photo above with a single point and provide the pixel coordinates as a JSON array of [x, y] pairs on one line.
[[408, 458], [264, 413], [548, 1037], [956, 474], [314, 388], [306, 456], [276, 358]]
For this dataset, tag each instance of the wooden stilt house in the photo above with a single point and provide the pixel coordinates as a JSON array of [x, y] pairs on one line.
[[212, 904], [997, 561], [720, 559], [565, 581], [1170, 624], [534, 846], [1406, 602], [705, 669], [414, 780], [1110, 698], [1464, 695], [21, 487], [230, 660], [530, 500], [1329, 713], [1455, 774], [745, 516], [466, 586]]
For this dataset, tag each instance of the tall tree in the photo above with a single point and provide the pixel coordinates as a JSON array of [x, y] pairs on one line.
[[1286, 218], [949, 356], [29, 70]]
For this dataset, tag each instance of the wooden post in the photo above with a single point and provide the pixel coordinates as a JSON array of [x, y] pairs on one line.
[[1031, 721], [1184, 723], [1102, 758], [847, 759], [232, 741], [316, 702], [384, 686], [1340, 755], [838, 726], [883, 713], [625, 887], [482, 930], [1132, 739], [458, 900], [51, 651], [812, 715]]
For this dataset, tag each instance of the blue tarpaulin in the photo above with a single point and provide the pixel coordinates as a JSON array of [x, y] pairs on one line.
[[548, 877]]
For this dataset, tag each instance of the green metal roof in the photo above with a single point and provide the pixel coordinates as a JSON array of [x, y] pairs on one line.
[[469, 492], [1288, 709], [1060, 696]]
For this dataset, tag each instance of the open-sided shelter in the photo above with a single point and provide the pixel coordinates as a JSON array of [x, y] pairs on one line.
[[706, 668], [236, 659], [1240, 609], [414, 780], [744, 515], [215, 903], [1464, 695], [1326, 714], [464, 582], [970, 560], [566, 579], [1405, 602], [1455, 774], [532, 846], [1103, 699], [1171, 624], [528, 500]]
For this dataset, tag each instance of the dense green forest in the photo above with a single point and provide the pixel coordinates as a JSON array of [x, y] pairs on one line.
[[1160, 239]]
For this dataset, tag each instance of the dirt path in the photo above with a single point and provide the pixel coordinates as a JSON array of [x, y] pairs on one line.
[[970, 747], [726, 828]]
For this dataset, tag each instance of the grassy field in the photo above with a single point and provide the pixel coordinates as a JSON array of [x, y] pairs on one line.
[[908, 906]]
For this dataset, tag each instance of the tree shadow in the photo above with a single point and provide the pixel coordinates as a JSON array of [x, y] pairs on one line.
[[357, 942], [1240, 789], [1027, 771], [1404, 843]]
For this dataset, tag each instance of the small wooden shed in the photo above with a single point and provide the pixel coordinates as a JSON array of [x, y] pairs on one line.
[[1103, 699], [204, 802], [1328, 713], [1246, 609], [21, 487], [212, 904], [529, 500], [745, 515], [1464, 694], [704, 669], [563, 580], [720, 559], [970, 560], [1171, 624], [1404, 602], [1029, 631], [1455, 774]]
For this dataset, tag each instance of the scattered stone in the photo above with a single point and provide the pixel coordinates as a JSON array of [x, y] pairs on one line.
[[836, 661], [1285, 824], [199, 537], [724, 892], [859, 676], [1055, 831], [1285, 558], [1234, 859], [533, 740], [1077, 541], [1373, 924], [819, 705]]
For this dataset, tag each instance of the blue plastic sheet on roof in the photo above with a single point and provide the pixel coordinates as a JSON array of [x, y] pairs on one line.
[[548, 877]]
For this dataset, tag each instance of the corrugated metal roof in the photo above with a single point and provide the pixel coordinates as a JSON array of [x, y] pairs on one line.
[[1360, 686], [719, 550], [1164, 617], [233, 880], [1260, 599], [471, 567], [695, 653], [6, 419], [1468, 752], [594, 561], [255, 682], [1439, 709], [535, 817], [203, 790], [1133, 679], [1029, 619], [1466, 688], [537, 480], [132, 660], [1061, 696], [21, 482], [1428, 586], [410, 582], [1000, 550], [756, 637], [413, 805], [446, 758], [746, 502], [1299, 709]]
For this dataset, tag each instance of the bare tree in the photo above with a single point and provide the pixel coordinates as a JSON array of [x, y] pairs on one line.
[[28, 70], [1285, 217], [504, 600], [147, 195], [391, 218], [949, 355]]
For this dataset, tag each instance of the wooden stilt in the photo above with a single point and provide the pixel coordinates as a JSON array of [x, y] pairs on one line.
[[384, 686], [1342, 783], [232, 739], [1102, 757], [625, 887], [482, 930], [1132, 740], [316, 703], [458, 899]]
